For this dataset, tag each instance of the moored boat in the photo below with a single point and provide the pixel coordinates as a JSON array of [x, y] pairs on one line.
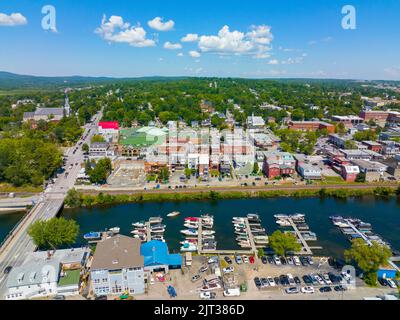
[[173, 214]]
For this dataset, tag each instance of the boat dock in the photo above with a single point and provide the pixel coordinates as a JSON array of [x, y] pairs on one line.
[[148, 231], [356, 231], [251, 238], [307, 250], [200, 238]]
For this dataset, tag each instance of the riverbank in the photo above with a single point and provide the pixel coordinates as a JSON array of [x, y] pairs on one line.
[[91, 198]]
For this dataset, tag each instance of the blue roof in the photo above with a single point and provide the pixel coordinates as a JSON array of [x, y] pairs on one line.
[[156, 253]]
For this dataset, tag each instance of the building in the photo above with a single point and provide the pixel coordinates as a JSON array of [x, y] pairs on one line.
[[355, 154], [117, 267], [373, 170], [393, 166], [109, 130], [348, 121], [373, 146], [278, 164], [350, 173], [225, 168], [339, 141], [390, 148], [100, 150], [47, 273], [254, 122], [157, 257], [46, 114], [309, 172], [311, 126], [380, 117]]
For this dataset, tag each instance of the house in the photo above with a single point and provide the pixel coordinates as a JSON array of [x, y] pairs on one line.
[[157, 257], [254, 122], [47, 273], [109, 130], [390, 148], [118, 267], [350, 173], [278, 164], [355, 154]]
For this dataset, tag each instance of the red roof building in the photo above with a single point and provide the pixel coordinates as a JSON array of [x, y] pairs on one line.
[[109, 125]]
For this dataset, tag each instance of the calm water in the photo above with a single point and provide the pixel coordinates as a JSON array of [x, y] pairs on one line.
[[7, 222], [383, 214]]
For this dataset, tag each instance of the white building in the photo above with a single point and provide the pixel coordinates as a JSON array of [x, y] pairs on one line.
[[47, 273], [254, 122]]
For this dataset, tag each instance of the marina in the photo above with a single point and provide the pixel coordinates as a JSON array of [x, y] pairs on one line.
[[382, 214]]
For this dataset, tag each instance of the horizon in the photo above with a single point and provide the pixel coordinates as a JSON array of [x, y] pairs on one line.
[[269, 40]]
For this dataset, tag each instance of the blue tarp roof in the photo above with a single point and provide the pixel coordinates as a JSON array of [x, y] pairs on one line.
[[156, 253]]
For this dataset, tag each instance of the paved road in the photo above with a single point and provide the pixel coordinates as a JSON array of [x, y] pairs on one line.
[[15, 249]]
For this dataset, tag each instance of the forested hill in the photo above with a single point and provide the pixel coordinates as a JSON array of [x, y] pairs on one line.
[[11, 81]]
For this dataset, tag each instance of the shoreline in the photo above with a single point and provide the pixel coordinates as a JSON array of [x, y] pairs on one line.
[[93, 198]]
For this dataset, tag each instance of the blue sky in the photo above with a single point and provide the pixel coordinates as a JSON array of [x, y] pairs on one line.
[[252, 39]]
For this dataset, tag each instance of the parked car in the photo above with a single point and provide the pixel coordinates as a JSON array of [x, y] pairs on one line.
[[213, 260], [391, 284], [296, 261], [235, 292], [271, 282], [245, 259], [308, 290], [228, 269], [292, 290], [203, 269], [59, 297], [327, 279], [195, 278], [310, 261], [238, 260], [307, 279], [277, 281], [264, 282], [264, 260], [284, 280], [339, 288], [228, 260], [100, 298], [251, 259], [291, 279], [297, 280], [319, 279], [207, 295], [277, 261], [325, 289], [257, 282], [270, 260], [290, 260], [283, 260]]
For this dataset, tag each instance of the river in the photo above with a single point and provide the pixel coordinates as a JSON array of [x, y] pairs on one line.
[[383, 214]]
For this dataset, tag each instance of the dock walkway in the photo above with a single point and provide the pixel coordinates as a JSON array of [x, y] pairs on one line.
[[306, 248]]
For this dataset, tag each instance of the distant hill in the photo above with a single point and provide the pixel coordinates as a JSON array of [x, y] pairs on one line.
[[12, 81]]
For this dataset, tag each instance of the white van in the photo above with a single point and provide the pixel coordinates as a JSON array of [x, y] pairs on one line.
[[235, 292]]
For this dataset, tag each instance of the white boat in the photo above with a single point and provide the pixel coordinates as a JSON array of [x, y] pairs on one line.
[[208, 237], [155, 220], [239, 225], [188, 247], [142, 238], [261, 239], [173, 214], [191, 225], [283, 223], [238, 220], [158, 238], [138, 232], [159, 230], [190, 232], [115, 229], [140, 224], [207, 232]]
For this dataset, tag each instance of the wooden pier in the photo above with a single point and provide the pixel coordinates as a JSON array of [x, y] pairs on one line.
[[355, 229], [251, 238], [148, 231], [306, 248]]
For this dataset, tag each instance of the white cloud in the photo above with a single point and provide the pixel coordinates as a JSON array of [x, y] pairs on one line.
[[14, 19], [190, 37], [172, 46], [116, 30], [180, 54], [273, 61], [195, 54], [296, 60], [392, 71], [255, 42], [158, 25]]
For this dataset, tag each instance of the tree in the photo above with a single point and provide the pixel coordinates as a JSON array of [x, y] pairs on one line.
[[164, 174], [101, 171], [281, 243], [188, 173], [53, 233], [85, 148], [256, 168], [97, 138], [361, 177], [368, 258], [73, 199]]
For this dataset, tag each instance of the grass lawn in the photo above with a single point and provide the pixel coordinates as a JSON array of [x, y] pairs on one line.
[[5, 187]]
